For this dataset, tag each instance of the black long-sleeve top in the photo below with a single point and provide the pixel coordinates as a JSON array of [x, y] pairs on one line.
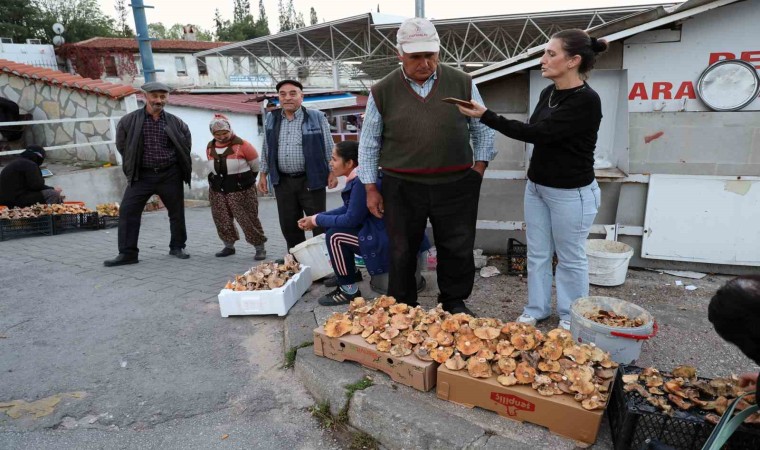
[[21, 184], [563, 130]]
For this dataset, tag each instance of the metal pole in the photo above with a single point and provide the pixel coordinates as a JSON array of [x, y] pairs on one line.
[[419, 8], [143, 40]]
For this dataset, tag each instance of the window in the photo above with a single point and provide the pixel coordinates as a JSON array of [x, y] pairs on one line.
[[109, 63], [237, 66], [179, 64], [5, 40], [34, 41], [253, 66], [202, 67]]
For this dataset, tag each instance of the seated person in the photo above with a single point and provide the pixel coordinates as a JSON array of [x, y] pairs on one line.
[[9, 112], [734, 311], [351, 229], [21, 182]]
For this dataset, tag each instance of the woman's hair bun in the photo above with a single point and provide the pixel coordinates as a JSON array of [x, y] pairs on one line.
[[598, 45]]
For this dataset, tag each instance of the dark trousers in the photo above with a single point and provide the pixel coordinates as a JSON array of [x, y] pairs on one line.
[[167, 184], [343, 245], [293, 201], [452, 209]]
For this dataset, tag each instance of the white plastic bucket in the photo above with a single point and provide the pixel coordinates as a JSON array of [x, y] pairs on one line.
[[379, 282], [313, 253], [607, 261], [623, 344]]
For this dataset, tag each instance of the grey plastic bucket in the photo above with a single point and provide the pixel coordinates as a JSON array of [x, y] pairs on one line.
[[607, 261], [623, 344]]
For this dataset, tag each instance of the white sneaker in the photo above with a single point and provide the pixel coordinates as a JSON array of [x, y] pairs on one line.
[[526, 318], [564, 324]]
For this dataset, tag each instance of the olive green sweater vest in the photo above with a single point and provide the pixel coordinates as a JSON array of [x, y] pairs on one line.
[[424, 139]]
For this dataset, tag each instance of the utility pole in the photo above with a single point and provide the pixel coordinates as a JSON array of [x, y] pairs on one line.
[[419, 8], [143, 40]]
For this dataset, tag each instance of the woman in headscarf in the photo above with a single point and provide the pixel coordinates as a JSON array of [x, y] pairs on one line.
[[21, 182], [232, 188]]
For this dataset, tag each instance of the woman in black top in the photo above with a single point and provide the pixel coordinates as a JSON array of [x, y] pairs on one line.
[[561, 196]]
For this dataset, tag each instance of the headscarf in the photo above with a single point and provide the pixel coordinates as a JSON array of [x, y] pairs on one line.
[[34, 153], [220, 122]]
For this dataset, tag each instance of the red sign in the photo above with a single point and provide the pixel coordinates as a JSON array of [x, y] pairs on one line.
[[513, 403]]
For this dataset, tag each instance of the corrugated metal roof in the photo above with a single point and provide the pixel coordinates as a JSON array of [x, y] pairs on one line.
[[75, 82]]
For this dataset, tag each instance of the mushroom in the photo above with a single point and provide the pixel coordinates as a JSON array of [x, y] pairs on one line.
[[592, 403], [444, 338], [398, 308], [630, 378], [604, 373], [577, 354], [433, 329], [429, 344], [525, 373], [485, 353], [337, 325], [479, 368], [400, 321], [384, 301], [456, 362], [356, 327], [357, 303], [400, 350], [373, 338], [679, 402], [557, 377], [507, 365], [507, 380], [441, 354], [598, 355], [384, 345], [675, 387], [422, 353], [636, 387], [546, 390], [367, 332], [450, 325], [551, 350], [561, 335], [523, 341], [389, 333], [415, 337], [608, 363], [565, 364], [504, 347], [541, 380], [487, 332], [655, 391], [549, 366], [470, 345], [687, 372]]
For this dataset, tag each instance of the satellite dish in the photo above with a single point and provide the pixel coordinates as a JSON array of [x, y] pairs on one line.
[[58, 40], [58, 28]]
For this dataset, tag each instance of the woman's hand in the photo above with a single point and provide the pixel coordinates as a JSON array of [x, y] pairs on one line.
[[476, 111]]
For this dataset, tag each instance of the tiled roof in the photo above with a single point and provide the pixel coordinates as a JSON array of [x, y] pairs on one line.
[[68, 80], [158, 46]]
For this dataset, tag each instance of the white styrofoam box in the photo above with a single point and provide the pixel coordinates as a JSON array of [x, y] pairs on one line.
[[274, 301], [313, 252]]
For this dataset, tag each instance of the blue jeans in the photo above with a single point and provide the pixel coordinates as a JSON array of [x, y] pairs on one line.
[[558, 220]]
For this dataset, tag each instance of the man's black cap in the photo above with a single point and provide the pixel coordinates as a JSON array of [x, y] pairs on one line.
[[293, 82]]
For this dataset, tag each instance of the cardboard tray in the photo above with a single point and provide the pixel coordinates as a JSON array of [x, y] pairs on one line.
[[408, 370], [273, 301], [561, 414]]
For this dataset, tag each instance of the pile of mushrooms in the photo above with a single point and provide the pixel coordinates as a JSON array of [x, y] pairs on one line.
[[512, 352], [265, 276], [39, 210], [611, 319], [683, 390], [108, 209]]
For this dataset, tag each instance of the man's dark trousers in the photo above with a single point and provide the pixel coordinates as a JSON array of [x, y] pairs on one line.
[[167, 184], [293, 200], [453, 211]]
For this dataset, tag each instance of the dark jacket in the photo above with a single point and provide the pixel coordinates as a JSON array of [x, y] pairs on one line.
[[21, 184], [373, 239], [313, 142], [129, 142]]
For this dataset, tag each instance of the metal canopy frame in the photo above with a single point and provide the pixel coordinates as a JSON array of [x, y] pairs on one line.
[[363, 47]]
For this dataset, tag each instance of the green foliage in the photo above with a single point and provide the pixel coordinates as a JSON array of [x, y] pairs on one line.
[[290, 355], [19, 20], [363, 441], [351, 389], [313, 19], [243, 25], [157, 30], [121, 19], [321, 412], [82, 19]]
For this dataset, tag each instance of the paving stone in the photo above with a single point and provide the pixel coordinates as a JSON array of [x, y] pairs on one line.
[[299, 328]]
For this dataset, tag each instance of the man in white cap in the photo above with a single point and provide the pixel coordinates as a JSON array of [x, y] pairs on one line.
[[430, 170], [155, 151]]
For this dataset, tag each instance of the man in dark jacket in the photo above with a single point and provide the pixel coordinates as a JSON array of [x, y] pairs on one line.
[[155, 151], [296, 156], [21, 182]]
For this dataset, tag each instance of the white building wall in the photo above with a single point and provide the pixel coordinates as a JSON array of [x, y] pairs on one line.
[[33, 54]]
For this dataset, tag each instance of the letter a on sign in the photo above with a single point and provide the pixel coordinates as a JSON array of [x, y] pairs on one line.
[[638, 91]]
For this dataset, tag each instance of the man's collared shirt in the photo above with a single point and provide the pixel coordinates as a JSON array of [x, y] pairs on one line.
[[290, 158], [372, 132], [157, 149]]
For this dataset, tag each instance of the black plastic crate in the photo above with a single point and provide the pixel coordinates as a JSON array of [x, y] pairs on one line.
[[633, 420], [63, 223], [34, 226], [517, 258], [108, 222]]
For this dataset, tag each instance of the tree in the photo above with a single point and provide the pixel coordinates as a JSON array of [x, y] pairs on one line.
[[82, 19], [313, 14], [219, 22], [18, 20], [242, 27], [240, 9], [262, 24], [299, 22], [157, 30], [285, 23], [121, 19]]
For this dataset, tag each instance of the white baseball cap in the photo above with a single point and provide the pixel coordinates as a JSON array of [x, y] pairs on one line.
[[418, 35]]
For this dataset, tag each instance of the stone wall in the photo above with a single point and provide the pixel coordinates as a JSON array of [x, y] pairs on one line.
[[46, 102]]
